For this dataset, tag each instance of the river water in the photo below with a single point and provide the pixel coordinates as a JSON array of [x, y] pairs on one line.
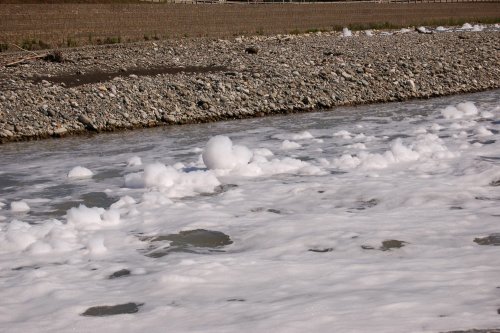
[[379, 218]]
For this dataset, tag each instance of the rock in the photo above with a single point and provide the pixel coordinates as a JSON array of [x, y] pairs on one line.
[[346, 75], [60, 131], [191, 241], [321, 250], [84, 120], [120, 273], [4, 133], [111, 310], [388, 245], [87, 122], [493, 239]]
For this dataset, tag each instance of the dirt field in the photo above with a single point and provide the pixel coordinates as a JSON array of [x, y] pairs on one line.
[[54, 25]]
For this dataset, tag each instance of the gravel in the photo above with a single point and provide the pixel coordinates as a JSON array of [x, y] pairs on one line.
[[111, 87]]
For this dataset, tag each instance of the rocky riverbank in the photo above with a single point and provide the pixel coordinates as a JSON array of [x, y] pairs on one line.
[[158, 83]]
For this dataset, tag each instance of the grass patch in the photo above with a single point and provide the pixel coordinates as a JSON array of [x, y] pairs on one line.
[[4, 47], [34, 44], [109, 40], [70, 42]]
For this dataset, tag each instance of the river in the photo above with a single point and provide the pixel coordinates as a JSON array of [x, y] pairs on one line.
[[377, 218]]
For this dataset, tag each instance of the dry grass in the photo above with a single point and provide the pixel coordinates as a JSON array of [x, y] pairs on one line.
[[68, 25]]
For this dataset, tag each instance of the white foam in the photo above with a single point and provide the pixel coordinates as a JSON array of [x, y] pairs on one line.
[[287, 145], [177, 183], [220, 153], [134, 161], [466, 26], [477, 28], [483, 131], [346, 32], [80, 172], [346, 135], [466, 109], [427, 146], [19, 206]]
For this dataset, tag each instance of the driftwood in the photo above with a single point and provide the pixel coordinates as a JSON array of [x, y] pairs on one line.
[[55, 56], [26, 59]]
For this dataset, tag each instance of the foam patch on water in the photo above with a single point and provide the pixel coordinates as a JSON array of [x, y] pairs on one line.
[[80, 172], [19, 206], [287, 144], [134, 161], [178, 183]]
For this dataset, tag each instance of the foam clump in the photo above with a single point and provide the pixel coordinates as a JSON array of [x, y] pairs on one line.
[[220, 153], [466, 26], [287, 145], [93, 218], [369, 33], [19, 206], [134, 161], [483, 131], [51, 236], [428, 146], [80, 172], [346, 135], [277, 166], [460, 111], [477, 28], [95, 246], [302, 136], [441, 29], [173, 182], [346, 32]]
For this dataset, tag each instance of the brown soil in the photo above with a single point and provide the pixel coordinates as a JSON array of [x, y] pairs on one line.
[[72, 24]]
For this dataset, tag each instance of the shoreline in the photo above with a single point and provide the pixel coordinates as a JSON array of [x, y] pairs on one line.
[[255, 76]]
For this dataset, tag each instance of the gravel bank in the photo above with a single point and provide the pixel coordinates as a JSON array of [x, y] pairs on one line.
[[237, 78]]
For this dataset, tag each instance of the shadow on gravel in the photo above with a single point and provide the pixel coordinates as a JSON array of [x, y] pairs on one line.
[[75, 79]]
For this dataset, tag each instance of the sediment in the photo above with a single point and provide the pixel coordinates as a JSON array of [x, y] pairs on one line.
[[124, 86]]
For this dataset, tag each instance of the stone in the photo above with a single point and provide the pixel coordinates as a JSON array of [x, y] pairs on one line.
[[112, 310], [120, 273], [388, 245], [4, 133], [60, 131], [493, 239]]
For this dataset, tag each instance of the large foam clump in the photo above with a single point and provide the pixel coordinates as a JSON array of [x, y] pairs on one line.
[[80, 172], [220, 153]]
